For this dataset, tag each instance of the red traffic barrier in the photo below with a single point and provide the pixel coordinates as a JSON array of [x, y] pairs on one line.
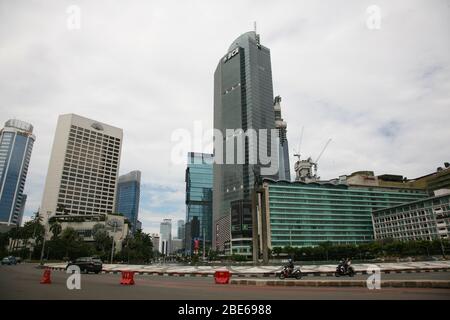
[[46, 277], [222, 277], [127, 277]]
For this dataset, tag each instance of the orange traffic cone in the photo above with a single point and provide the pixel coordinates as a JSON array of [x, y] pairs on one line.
[[46, 277], [127, 277]]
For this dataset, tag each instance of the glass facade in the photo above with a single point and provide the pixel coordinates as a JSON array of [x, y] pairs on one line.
[[128, 196], [16, 144], [243, 99], [199, 182], [306, 214]]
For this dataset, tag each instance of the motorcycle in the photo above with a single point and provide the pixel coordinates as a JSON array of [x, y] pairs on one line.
[[344, 270], [296, 273]]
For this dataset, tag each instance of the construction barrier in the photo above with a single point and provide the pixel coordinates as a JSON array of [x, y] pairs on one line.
[[127, 277], [222, 277], [46, 277]]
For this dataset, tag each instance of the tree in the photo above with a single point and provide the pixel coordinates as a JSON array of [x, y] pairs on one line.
[[70, 240], [55, 229], [137, 248], [102, 240]]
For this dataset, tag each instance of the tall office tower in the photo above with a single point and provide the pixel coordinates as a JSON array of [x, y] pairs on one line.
[[16, 144], [165, 231], [199, 183], [83, 170], [180, 230], [243, 99], [128, 195], [284, 172]]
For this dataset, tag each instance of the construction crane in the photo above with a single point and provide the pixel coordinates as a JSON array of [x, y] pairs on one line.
[[297, 153], [320, 155]]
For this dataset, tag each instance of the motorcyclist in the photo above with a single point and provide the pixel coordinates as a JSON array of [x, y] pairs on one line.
[[342, 264], [290, 266]]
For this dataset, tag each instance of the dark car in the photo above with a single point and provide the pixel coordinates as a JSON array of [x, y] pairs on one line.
[[9, 260], [87, 264]]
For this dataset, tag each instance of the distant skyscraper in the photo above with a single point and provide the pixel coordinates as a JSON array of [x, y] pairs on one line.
[[128, 195], [155, 241], [180, 225], [165, 232], [83, 169], [199, 177], [284, 171], [16, 144], [243, 99]]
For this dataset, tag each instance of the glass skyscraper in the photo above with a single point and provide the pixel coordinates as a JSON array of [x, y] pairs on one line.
[[16, 144], [199, 182], [128, 195], [243, 99]]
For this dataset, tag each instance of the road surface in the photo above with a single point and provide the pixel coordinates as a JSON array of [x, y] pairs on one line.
[[22, 282]]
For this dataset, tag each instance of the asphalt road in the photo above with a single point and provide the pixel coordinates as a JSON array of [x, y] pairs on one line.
[[22, 282]]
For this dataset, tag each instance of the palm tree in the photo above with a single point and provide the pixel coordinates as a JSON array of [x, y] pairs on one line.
[[55, 229]]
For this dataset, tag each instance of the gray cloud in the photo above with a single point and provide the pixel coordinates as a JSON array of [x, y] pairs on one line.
[[147, 67]]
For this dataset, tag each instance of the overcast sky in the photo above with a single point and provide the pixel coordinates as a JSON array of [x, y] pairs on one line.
[[382, 94]]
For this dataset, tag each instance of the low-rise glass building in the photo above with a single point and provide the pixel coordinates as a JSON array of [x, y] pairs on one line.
[[306, 214]]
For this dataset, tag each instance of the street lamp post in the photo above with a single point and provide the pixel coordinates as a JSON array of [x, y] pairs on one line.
[[113, 241], [204, 238], [43, 241]]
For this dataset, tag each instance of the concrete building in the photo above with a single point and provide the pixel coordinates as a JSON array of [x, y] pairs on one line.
[[165, 232], [116, 225], [83, 170], [128, 197], [306, 214], [243, 100], [155, 241], [177, 246], [284, 172], [424, 219], [16, 144], [440, 179], [223, 234]]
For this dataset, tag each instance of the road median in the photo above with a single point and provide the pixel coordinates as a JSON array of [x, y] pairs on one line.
[[444, 284]]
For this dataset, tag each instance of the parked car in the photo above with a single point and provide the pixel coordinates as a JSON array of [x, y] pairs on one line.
[[87, 264], [18, 259], [9, 260]]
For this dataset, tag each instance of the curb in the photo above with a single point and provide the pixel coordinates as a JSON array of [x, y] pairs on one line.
[[442, 284]]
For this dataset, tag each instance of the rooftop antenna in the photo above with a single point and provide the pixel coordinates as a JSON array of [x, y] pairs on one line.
[[257, 35]]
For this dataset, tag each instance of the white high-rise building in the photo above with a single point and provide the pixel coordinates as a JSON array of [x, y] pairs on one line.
[[83, 170]]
